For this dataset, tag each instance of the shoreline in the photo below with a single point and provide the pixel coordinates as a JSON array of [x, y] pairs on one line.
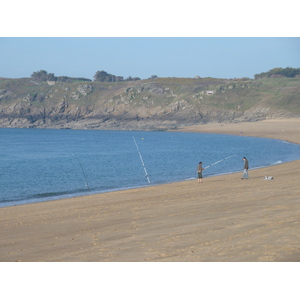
[[19, 202], [196, 129], [222, 219]]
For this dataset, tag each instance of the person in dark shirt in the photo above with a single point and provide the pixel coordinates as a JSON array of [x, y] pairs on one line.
[[246, 167]]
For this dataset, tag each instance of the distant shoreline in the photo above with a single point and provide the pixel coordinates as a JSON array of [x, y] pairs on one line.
[[282, 129]]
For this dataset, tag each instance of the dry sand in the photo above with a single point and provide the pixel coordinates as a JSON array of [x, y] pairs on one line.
[[222, 219]]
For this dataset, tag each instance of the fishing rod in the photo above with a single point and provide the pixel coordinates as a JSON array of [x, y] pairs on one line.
[[87, 184], [219, 161], [147, 176]]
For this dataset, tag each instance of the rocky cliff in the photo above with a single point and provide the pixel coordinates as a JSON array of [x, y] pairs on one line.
[[156, 104]]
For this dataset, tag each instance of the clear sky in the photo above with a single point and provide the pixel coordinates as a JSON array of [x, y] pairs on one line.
[[221, 39], [219, 57]]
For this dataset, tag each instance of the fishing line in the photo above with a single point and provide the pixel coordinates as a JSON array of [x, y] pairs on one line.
[[87, 184], [220, 161], [147, 176]]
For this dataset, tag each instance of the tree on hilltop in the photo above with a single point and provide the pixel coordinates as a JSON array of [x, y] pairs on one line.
[[42, 75], [103, 76]]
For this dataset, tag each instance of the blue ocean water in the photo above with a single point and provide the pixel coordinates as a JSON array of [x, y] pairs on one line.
[[46, 164]]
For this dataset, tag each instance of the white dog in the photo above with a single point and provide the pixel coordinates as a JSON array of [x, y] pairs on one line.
[[268, 177]]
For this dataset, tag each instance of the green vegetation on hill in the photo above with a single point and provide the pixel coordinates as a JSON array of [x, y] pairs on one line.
[[43, 75], [145, 104], [103, 76], [279, 72]]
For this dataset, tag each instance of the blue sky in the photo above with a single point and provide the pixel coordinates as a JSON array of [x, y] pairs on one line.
[[221, 39], [219, 57]]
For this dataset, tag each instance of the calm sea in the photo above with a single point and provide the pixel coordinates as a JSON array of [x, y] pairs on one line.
[[46, 164]]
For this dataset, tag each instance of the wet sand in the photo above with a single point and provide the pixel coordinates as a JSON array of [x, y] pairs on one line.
[[222, 219]]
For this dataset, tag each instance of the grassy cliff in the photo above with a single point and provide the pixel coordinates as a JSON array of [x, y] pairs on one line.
[[160, 103]]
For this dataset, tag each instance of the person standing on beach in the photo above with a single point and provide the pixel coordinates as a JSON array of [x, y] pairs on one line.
[[246, 167], [199, 171]]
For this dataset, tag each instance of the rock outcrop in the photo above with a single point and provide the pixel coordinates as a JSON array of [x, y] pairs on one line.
[[157, 104]]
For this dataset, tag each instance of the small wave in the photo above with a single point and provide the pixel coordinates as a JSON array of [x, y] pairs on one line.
[[41, 197], [278, 162], [57, 194]]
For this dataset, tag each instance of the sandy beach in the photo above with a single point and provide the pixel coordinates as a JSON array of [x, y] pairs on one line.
[[223, 219]]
